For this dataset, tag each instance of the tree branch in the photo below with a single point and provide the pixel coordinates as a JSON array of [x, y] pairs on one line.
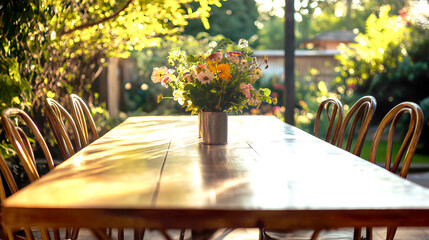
[[90, 24]]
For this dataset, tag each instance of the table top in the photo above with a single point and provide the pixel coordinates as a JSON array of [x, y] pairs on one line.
[[154, 172]]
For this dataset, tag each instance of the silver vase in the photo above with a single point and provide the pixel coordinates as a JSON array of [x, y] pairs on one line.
[[214, 127], [200, 126]]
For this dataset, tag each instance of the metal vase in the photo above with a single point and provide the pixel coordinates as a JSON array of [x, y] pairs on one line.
[[214, 128], [200, 125]]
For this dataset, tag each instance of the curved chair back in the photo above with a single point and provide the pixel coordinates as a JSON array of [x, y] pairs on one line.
[[410, 141], [20, 141], [336, 113], [55, 114], [80, 112], [406, 151], [10, 181], [362, 110]]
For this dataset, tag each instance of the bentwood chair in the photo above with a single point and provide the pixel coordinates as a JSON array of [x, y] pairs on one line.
[[56, 114], [82, 118], [363, 111], [21, 144], [334, 116], [405, 153], [13, 188], [407, 149], [23, 148]]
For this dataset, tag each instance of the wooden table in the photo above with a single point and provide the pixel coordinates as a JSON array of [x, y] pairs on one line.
[[153, 172]]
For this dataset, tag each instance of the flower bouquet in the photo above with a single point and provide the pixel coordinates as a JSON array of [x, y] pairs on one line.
[[214, 81], [213, 84]]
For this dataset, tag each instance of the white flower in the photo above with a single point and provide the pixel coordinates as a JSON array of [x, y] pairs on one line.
[[212, 44], [242, 43], [178, 96]]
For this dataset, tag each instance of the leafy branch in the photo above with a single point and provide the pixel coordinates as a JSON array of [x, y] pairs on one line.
[[90, 24]]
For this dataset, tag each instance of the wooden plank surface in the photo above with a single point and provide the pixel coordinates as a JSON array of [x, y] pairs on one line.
[[154, 172]]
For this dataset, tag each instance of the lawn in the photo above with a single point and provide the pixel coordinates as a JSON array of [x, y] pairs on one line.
[[381, 153]]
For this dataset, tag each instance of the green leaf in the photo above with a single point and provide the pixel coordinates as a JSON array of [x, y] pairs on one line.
[[265, 91]]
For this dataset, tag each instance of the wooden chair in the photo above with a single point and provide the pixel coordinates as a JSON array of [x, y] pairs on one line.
[[363, 111], [13, 188], [407, 149], [335, 118], [21, 144], [82, 118], [23, 149], [55, 114], [405, 153], [336, 113]]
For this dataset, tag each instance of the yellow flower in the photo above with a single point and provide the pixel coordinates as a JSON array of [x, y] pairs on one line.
[[275, 101], [224, 72], [159, 98]]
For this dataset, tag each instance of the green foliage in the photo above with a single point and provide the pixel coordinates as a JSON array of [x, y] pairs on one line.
[[375, 51], [390, 62], [22, 29], [309, 93], [271, 36], [235, 19]]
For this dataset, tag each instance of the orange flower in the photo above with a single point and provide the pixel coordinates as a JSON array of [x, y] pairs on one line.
[[201, 67], [224, 72], [212, 65]]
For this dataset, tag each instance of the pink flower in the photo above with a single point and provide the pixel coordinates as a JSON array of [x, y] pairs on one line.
[[215, 56], [162, 75], [233, 57], [165, 80], [245, 88], [205, 76], [189, 76]]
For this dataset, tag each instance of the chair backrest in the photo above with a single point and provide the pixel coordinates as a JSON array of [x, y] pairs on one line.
[[56, 115], [20, 142], [410, 141], [79, 112], [362, 110], [5, 171], [336, 113]]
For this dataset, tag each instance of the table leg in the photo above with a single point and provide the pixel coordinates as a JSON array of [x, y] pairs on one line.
[[100, 233], [202, 234]]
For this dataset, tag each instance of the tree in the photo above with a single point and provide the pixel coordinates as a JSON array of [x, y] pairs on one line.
[[271, 36], [375, 51], [50, 48], [389, 62], [234, 20]]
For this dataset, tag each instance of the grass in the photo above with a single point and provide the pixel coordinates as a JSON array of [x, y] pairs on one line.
[[381, 153]]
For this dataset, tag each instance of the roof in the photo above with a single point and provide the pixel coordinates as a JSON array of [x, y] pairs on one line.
[[299, 53], [341, 36]]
